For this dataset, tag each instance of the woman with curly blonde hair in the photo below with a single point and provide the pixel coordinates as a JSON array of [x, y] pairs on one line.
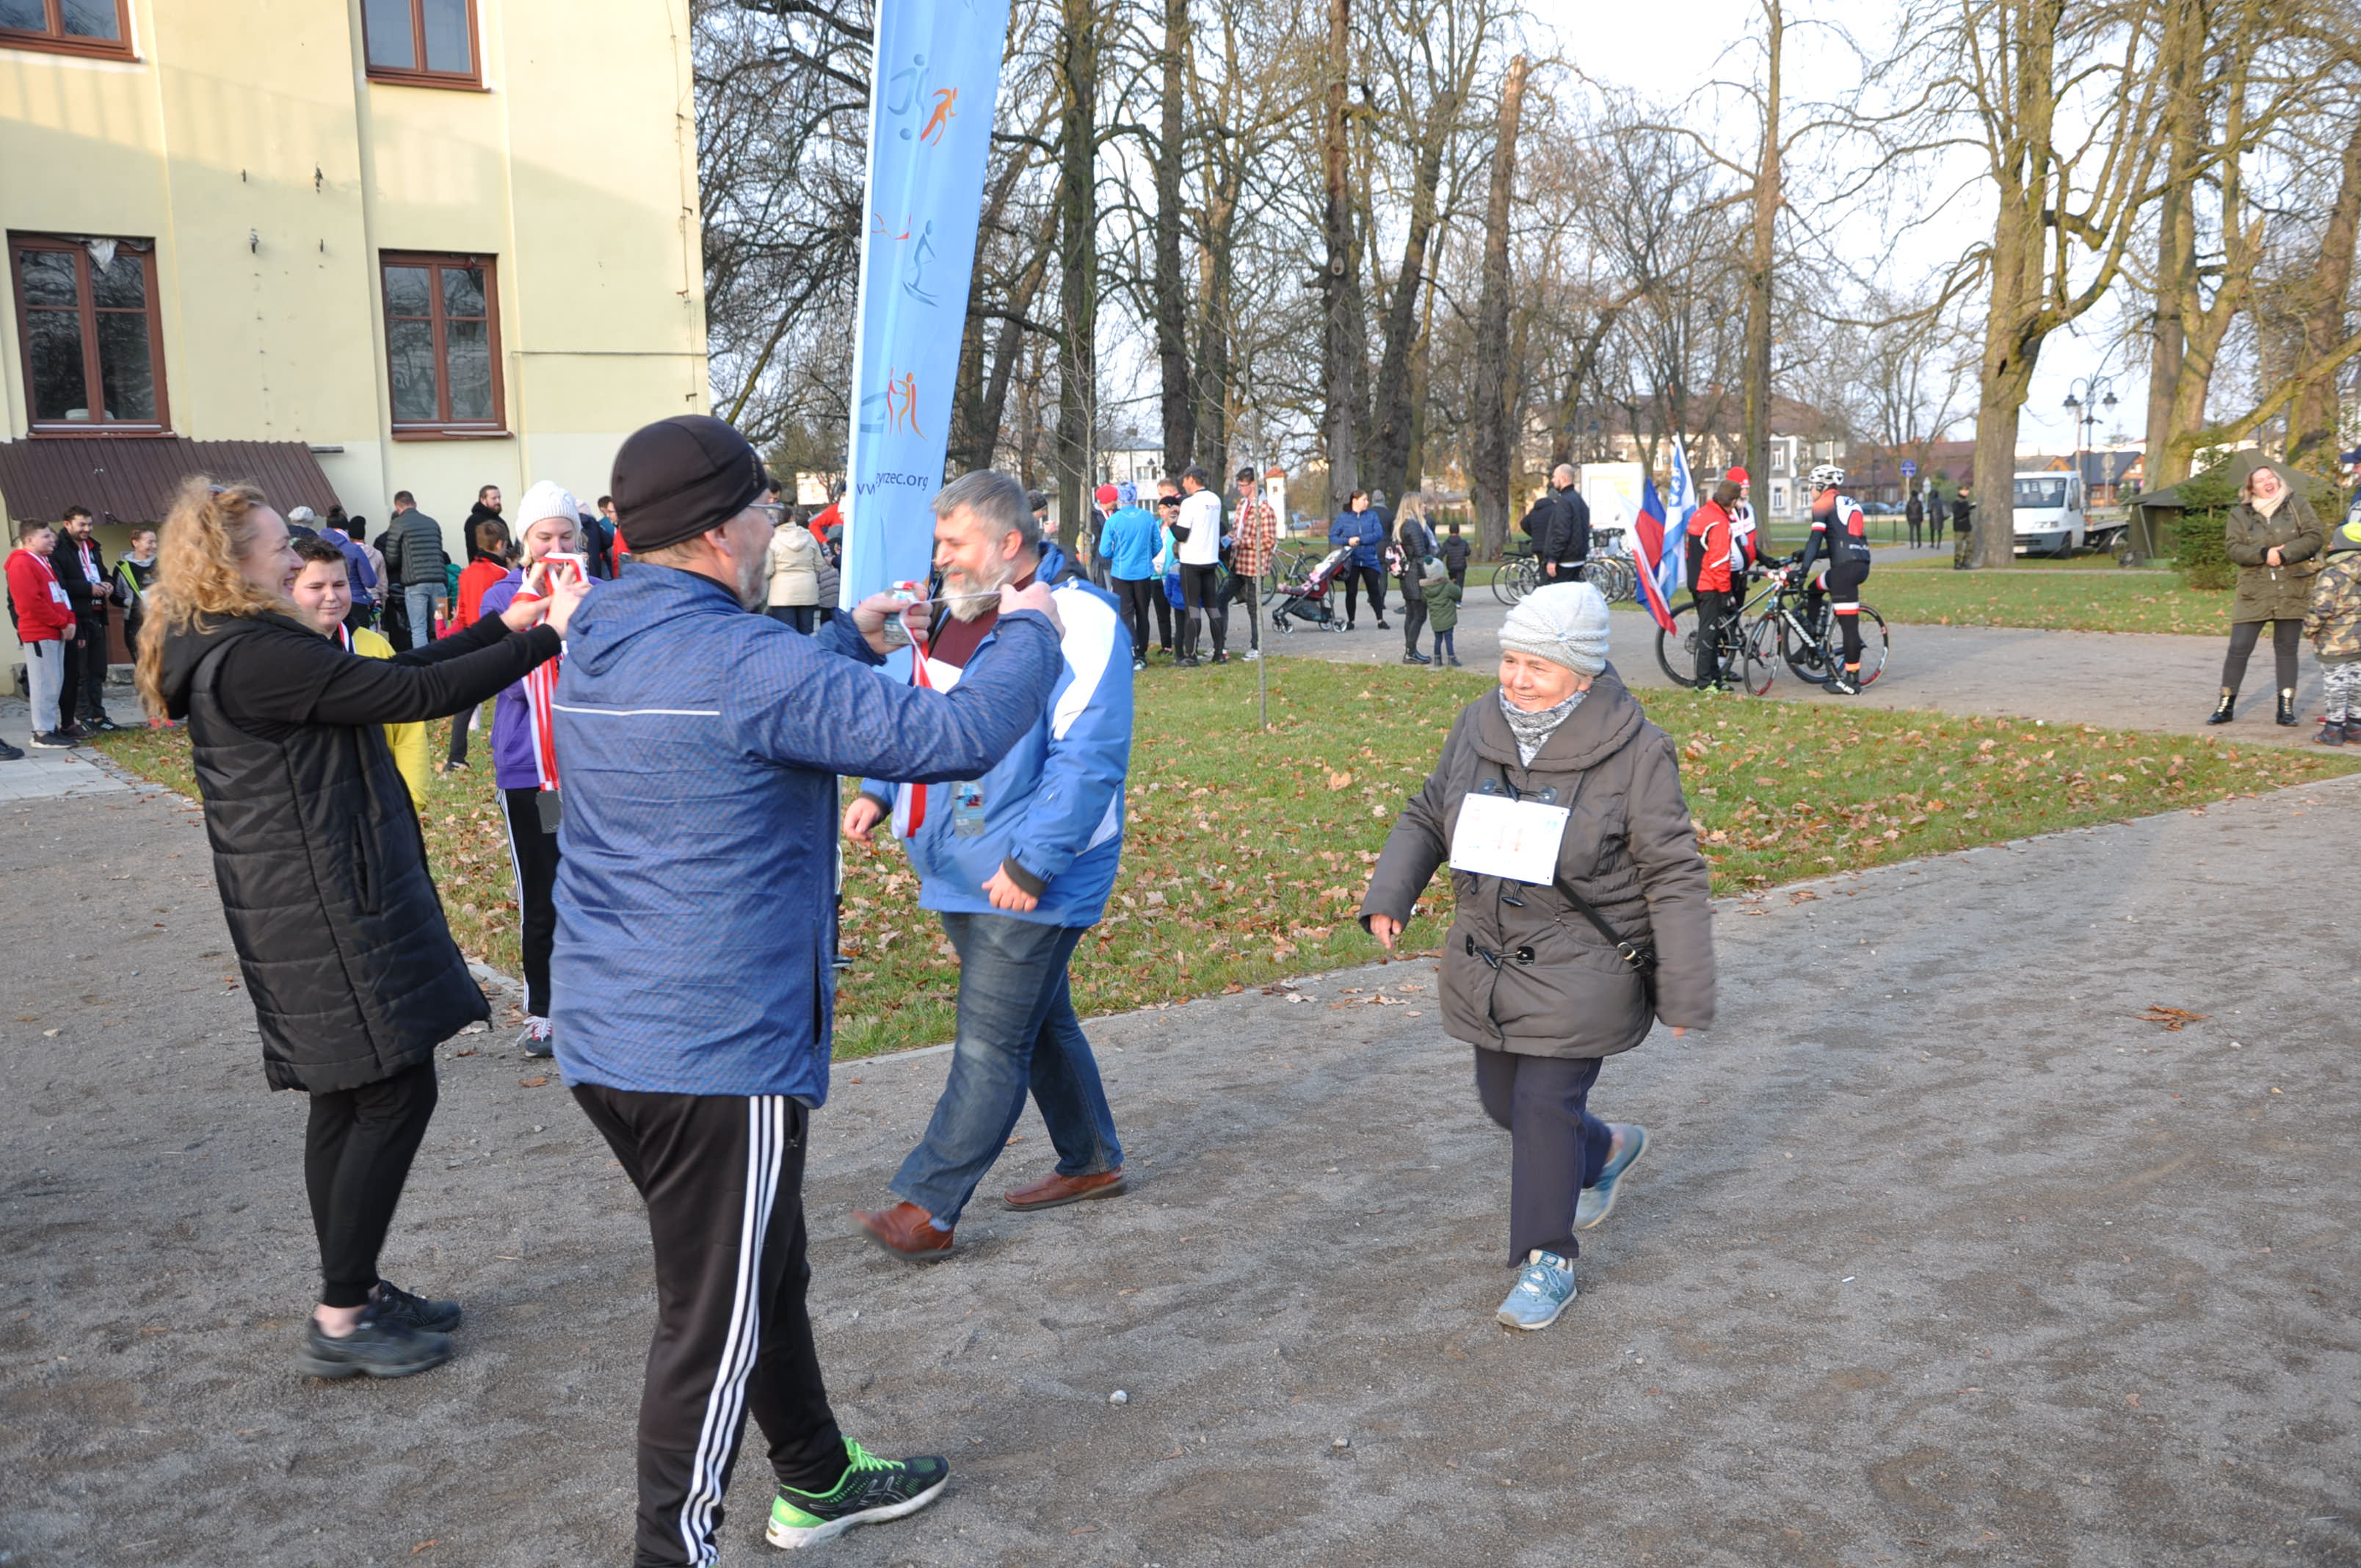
[[323, 873]]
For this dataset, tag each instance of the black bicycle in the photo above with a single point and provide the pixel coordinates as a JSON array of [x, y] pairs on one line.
[[1772, 627]]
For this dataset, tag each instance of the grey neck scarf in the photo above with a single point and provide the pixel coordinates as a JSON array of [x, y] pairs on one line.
[[1534, 730]]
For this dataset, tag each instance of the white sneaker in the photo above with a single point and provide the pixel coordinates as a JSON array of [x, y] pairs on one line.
[[534, 1038], [1251, 654]]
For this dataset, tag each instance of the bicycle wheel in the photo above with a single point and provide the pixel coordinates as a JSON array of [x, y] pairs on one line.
[[1808, 660], [1873, 646], [1504, 581], [1623, 582], [1757, 657], [1676, 649]]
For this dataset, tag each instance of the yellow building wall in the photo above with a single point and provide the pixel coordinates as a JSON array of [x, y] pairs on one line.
[[247, 143]]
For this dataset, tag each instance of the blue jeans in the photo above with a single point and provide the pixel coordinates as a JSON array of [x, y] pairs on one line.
[[1017, 1032], [421, 599]]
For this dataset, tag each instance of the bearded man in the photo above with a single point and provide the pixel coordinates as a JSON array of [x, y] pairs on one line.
[[1018, 862]]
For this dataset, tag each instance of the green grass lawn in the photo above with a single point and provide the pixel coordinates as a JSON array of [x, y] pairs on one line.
[[1247, 851]]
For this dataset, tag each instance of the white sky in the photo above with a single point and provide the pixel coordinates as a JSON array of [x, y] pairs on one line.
[[1661, 47]]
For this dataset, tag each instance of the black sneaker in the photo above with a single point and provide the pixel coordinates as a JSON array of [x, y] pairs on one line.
[[8, 753], [1220, 659], [1841, 685], [1138, 665], [1184, 664], [380, 1347], [873, 1490], [105, 725], [55, 740], [395, 1305]]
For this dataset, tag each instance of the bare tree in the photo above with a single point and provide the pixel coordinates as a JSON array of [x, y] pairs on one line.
[[1498, 415]]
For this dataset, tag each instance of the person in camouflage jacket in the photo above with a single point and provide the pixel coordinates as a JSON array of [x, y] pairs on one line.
[[2333, 624]]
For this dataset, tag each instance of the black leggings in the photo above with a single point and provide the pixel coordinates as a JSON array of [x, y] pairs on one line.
[[535, 855], [1354, 577], [459, 721], [1133, 597], [1843, 586], [1199, 590], [1712, 609], [2285, 634], [356, 1156]]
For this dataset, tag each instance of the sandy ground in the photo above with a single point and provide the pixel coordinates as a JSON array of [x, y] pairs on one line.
[[1940, 1254], [2126, 680]]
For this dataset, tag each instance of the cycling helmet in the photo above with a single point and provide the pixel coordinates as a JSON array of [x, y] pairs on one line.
[[1827, 476]]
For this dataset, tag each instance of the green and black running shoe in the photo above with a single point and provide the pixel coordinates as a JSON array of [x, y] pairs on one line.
[[871, 1491]]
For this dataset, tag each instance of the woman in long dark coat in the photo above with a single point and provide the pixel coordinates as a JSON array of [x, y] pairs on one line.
[[340, 935], [2274, 539]]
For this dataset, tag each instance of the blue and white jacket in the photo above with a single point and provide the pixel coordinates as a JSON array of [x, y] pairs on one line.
[[700, 746], [1051, 812]]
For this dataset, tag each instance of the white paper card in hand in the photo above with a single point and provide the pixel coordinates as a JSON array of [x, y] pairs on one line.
[[1504, 838]]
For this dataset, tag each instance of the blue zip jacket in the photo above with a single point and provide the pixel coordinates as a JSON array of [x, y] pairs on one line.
[[1050, 813], [699, 746], [1128, 542], [1362, 531]]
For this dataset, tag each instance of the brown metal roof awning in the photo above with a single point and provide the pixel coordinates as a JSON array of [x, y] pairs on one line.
[[123, 478]]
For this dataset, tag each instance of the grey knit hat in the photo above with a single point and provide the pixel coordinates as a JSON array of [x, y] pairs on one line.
[[1564, 623]]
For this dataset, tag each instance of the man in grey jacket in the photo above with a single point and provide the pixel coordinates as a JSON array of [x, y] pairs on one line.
[[414, 558]]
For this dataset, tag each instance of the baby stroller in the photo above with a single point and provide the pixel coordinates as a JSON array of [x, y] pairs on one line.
[[1307, 600]]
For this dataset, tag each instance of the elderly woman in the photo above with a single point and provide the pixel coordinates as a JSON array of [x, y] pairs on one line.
[[1581, 916], [2274, 539]]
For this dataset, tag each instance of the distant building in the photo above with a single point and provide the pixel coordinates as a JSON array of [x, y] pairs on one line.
[[342, 249]]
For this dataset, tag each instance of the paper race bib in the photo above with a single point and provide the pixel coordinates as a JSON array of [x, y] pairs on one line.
[[1513, 838]]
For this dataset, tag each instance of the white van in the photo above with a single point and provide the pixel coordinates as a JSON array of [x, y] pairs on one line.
[[2049, 510]]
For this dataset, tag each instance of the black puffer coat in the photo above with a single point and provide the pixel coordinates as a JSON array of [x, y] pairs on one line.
[[1558, 989], [322, 870]]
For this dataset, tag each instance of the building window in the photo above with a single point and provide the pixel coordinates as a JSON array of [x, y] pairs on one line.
[[428, 43], [94, 346], [443, 344], [68, 27]]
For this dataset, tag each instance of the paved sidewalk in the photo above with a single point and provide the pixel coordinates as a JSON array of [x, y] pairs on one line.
[[43, 774], [1941, 1255], [2123, 680]]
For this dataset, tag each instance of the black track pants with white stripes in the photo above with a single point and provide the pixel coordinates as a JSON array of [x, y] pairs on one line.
[[722, 1175]]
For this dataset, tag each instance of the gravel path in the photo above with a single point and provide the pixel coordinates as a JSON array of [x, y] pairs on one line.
[[1940, 1254], [2125, 680]]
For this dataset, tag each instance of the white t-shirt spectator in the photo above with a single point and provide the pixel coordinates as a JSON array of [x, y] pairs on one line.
[[1201, 514]]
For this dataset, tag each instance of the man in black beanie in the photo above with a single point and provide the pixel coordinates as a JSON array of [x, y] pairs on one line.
[[700, 746]]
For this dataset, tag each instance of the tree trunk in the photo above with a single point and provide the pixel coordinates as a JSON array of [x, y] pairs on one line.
[[1496, 405], [1394, 414], [992, 404], [1344, 330], [1211, 390], [2166, 463], [1760, 243], [2312, 422], [1170, 292], [1078, 70]]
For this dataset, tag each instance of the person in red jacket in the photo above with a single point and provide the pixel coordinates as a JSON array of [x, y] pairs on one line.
[[1710, 579], [45, 621]]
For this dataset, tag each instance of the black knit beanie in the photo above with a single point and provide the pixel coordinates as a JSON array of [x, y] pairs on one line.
[[679, 476]]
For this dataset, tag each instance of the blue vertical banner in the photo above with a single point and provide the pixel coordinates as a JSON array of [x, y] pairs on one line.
[[932, 89]]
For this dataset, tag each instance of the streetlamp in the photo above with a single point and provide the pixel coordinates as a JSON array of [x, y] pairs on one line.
[[2083, 400]]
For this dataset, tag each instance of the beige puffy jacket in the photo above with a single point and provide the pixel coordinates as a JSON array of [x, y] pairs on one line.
[[795, 565]]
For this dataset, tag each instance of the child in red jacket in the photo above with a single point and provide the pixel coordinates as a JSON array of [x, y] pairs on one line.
[[44, 617]]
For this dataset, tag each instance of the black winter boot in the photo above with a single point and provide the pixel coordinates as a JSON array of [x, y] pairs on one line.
[[2287, 706], [2222, 710]]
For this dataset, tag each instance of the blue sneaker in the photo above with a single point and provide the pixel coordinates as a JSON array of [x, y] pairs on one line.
[[1543, 1288], [1594, 1201]]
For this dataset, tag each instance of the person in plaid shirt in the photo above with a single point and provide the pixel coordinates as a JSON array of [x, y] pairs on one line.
[[1254, 536]]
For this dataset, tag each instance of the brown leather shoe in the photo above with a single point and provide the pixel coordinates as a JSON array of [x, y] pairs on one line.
[[907, 1232], [1054, 1190]]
